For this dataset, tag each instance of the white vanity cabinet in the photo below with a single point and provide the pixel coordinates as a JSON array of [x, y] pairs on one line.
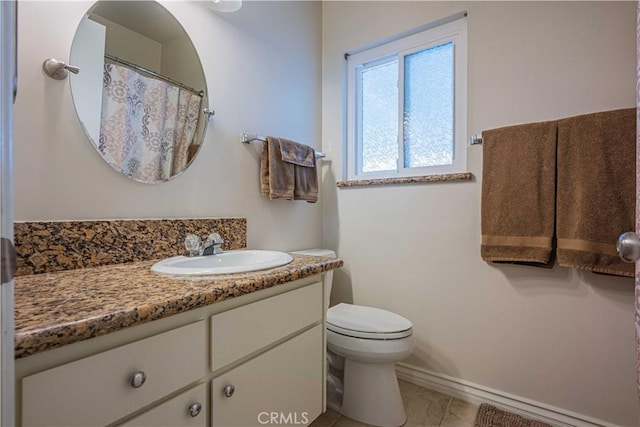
[[284, 384], [242, 331], [241, 361], [285, 381], [103, 388]]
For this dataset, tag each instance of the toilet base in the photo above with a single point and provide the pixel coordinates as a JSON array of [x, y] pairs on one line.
[[371, 394]]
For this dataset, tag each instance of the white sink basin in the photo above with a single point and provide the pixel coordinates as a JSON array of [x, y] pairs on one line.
[[241, 261]]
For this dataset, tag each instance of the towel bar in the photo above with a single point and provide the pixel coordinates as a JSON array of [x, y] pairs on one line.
[[248, 137], [475, 139]]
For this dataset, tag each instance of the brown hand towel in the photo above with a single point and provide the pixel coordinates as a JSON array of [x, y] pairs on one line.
[[288, 170], [596, 189], [303, 158], [296, 153], [518, 194], [264, 169]]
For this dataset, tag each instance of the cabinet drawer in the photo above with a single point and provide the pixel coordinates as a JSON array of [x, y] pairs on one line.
[[285, 383], [177, 411], [97, 390], [239, 332]]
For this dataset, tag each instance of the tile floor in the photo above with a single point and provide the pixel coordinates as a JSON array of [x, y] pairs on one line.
[[424, 407]]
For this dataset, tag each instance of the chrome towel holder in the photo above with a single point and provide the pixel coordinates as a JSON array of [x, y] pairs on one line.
[[475, 139], [246, 138]]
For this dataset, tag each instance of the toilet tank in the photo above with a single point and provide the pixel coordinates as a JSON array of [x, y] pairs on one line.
[[328, 275]]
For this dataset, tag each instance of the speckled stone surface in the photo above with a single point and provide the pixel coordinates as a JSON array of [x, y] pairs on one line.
[[466, 176], [46, 247], [56, 309]]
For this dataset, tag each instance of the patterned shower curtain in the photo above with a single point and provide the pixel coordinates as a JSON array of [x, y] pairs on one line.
[[147, 124]]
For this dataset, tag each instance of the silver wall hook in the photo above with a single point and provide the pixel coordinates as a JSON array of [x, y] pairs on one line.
[[57, 69]]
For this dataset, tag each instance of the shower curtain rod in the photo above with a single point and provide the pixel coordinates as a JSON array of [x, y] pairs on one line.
[[153, 73]]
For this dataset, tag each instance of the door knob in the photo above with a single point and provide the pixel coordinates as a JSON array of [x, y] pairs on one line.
[[628, 246]]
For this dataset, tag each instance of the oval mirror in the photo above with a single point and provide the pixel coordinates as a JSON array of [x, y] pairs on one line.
[[141, 90]]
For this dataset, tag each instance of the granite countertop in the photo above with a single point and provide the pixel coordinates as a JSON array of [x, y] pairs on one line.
[[56, 309]]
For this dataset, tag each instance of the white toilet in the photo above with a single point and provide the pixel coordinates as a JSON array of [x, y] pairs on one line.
[[363, 345]]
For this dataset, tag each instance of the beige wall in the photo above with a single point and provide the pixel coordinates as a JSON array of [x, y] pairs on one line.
[[562, 337], [265, 80], [130, 45], [180, 62]]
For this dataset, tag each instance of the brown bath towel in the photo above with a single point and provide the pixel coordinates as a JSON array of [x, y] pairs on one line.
[[288, 170], [596, 189], [518, 194]]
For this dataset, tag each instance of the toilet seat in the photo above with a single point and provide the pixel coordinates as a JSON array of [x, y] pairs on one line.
[[371, 323]]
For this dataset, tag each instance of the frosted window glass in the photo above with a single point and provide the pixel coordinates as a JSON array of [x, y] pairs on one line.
[[379, 124], [428, 107]]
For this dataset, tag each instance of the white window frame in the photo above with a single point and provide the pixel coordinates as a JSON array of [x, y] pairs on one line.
[[455, 32]]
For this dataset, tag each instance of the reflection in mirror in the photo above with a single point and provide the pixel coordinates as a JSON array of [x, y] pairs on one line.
[[141, 89]]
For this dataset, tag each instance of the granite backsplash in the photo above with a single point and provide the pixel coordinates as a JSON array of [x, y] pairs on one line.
[[50, 246]]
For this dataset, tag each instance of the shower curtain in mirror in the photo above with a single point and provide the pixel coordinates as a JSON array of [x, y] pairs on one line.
[[146, 125]]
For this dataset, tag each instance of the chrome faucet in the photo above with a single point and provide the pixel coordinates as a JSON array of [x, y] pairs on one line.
[[194, 246]]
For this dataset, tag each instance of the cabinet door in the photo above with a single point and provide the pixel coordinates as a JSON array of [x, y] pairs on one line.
[[105, 387], [282, 386], [188, 409], [262, 323]]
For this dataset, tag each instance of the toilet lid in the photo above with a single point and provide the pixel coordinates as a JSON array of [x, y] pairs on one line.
[[367, 322]]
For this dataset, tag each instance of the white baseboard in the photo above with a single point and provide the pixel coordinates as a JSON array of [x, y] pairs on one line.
[[476, 393]]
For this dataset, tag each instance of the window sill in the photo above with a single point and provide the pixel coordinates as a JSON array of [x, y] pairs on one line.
[[450, 177]]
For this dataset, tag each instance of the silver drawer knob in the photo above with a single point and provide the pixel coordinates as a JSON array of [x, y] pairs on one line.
[[138, 379], [194, 409], [228, 390]]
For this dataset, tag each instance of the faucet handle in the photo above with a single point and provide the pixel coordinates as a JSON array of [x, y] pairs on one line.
[[192, 244], [215, 238]]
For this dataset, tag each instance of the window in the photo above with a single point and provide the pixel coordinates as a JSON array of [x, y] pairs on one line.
[[406, 105]]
